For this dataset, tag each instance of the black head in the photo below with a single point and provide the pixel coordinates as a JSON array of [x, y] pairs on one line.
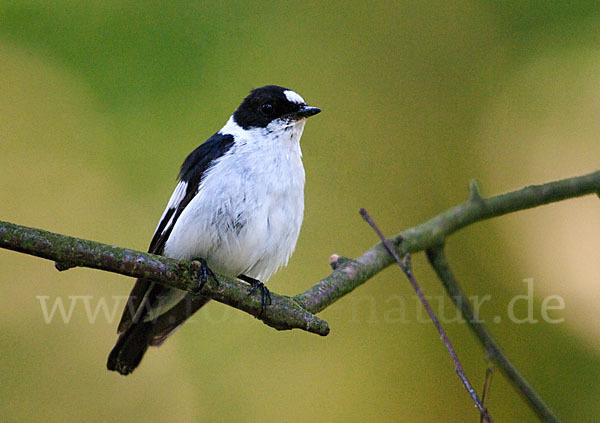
[[269, 103]]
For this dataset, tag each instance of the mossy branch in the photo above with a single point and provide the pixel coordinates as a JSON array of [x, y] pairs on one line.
[[282, 313], [298, 312]]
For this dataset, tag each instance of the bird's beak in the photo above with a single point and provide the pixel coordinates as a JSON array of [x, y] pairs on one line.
[[305, 111]]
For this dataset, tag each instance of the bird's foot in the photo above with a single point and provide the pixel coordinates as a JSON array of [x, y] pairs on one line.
[[265, 293], [202, 274]]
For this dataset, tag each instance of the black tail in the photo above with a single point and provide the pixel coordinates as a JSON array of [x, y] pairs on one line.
[[130, 348]]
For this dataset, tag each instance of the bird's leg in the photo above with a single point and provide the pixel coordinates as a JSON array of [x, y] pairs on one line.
[[202, 274], [256, 284]]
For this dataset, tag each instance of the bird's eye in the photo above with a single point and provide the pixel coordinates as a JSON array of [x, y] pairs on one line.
[[267, 109]]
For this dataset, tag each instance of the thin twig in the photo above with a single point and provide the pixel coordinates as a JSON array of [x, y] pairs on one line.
[[487, 385], [438, 261], [406, 268]]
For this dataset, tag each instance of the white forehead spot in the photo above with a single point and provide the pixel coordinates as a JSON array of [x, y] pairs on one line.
[[293, 97]]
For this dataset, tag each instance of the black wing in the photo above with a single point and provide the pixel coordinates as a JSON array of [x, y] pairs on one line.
[[191, 174]]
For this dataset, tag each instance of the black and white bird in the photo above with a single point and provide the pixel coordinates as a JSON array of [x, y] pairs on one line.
[[238, 208]]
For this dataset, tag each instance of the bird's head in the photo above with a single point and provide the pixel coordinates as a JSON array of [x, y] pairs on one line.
[[274, 108]]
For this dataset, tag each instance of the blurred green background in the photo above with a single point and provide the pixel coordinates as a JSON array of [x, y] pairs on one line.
[[100, 101]]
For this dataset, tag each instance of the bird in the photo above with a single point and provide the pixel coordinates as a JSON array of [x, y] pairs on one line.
[[237, 208]]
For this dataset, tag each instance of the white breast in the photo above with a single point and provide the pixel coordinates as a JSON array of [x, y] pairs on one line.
[[246, 216]]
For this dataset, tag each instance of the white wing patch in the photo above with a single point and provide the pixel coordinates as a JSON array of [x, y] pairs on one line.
[[294, 97], [174, 202]]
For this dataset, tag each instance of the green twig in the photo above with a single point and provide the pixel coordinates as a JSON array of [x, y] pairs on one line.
[[352, 273]]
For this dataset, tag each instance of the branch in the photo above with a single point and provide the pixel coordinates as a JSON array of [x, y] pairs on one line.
[[350, 274], [67, 252], [437, 259], [294, 312]]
